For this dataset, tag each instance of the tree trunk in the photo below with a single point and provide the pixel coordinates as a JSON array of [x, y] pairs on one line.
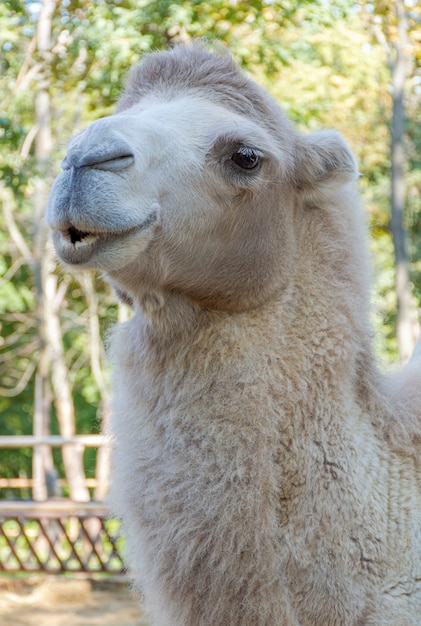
[[62, 391], [103, 459], [407, 318], [52, 364], [42, 456]]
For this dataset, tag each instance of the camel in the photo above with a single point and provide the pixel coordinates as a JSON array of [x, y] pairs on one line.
[[266, 472]]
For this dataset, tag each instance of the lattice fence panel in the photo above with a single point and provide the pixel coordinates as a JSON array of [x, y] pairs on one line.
[[56, 544]]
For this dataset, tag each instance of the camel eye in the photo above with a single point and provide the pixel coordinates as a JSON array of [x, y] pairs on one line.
[[246, 158]]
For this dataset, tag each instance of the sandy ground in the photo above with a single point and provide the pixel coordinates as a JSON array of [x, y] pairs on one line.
[[68, 602]]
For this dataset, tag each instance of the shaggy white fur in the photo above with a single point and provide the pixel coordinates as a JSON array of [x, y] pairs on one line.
[[265, 472]]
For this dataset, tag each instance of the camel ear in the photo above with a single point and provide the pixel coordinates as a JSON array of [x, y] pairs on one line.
[[323, 161]]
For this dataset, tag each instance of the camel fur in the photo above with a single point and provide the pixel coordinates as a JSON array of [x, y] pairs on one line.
[[265, 471]]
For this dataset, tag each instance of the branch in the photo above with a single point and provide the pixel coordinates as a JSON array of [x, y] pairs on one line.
[[29, 139], [60, 294], [22, 331], [30, 75], [26, 62], [14, 231], [12, 270], [26, 376], [382, 41]]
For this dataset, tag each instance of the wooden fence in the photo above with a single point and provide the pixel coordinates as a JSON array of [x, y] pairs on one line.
[[54, 441], [57, 535]]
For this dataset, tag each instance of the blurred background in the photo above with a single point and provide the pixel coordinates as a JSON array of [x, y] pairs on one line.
[[350, 65]]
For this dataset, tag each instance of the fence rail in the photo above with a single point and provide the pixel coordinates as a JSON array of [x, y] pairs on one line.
[[28, 483], [59, 536], [39, 481], [56, 441]]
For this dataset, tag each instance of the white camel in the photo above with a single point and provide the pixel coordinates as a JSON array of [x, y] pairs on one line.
[[265, 472]]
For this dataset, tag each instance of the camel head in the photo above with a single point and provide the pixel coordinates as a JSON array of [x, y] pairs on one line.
[[196, 185]]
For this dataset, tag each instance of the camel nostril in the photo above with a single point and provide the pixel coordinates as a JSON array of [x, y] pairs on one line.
[[110, 160], [114, 163], [112, 153], [99, 160]]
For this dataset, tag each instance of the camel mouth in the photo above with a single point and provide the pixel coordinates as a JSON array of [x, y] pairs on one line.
[[79, 238], [76, 246], [80, 247], [75, 239]]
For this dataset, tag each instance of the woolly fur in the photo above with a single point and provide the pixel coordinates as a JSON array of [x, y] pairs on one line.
[[265, 472]]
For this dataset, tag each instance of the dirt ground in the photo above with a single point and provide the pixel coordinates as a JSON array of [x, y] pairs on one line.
[[68, 602]]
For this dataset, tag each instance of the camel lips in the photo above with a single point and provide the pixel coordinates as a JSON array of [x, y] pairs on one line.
[[80, 238]]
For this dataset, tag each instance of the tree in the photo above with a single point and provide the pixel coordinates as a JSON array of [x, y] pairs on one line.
[[393, 25], [53, 379]]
